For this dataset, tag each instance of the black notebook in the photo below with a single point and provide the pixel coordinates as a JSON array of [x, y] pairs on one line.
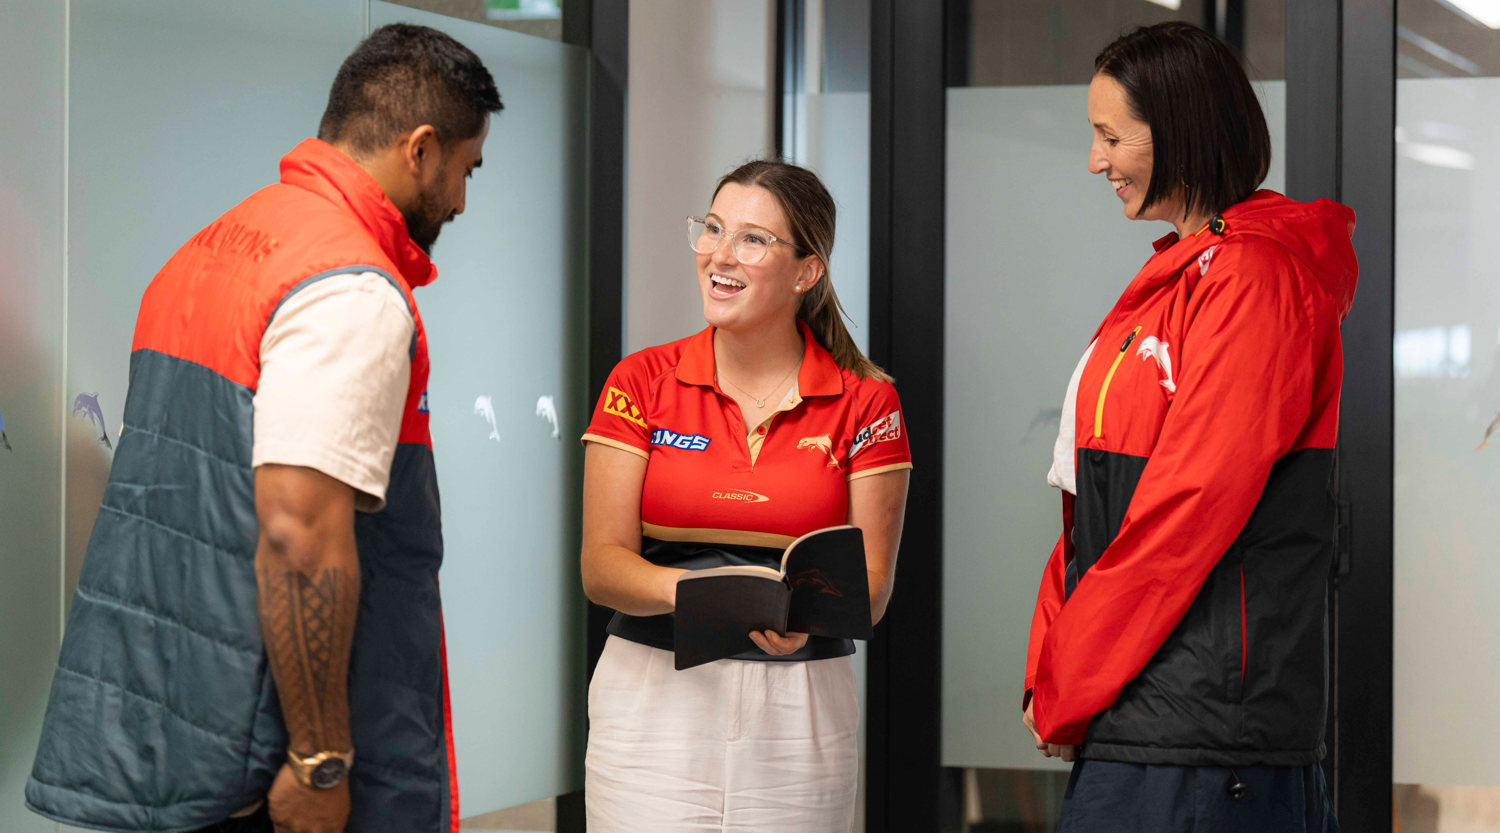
[[821, 589]]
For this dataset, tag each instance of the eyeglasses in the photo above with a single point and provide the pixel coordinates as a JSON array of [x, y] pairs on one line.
[[750, 244]]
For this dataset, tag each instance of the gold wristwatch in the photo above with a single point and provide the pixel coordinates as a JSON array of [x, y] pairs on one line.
[[322, 771]]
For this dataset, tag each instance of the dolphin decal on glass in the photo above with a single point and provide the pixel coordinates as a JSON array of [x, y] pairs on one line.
[[3, 441], [1494, 425], [1158, 350], [87, 406], [547, 409], [486, 408], [1045, 419]]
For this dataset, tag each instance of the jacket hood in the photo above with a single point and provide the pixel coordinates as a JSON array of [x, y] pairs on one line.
[[1317, 233]]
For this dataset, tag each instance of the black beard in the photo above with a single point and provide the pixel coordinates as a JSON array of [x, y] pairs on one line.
[[422, 229], [424, 221]]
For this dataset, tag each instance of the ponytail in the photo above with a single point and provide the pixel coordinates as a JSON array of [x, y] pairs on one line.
[[810, 213]]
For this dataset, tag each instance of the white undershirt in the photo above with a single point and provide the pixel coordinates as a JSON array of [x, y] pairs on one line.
[[1063, 474], [335, 365]]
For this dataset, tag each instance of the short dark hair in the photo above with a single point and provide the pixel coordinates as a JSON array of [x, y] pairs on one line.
[[404, 76], [1208, 133]]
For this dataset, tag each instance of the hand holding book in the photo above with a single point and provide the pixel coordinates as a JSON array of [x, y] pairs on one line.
[[778, 645]]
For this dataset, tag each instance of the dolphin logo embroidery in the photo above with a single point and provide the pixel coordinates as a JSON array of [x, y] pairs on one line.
[[547, 409], [1204, 259], [87, 406], [485, 408], [822, 445], [1158, 350], [3, 440]]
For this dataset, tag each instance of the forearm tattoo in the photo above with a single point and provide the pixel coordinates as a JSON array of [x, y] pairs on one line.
[[308, 625]]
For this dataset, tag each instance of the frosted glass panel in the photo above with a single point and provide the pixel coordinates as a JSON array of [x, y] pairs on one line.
[[1037, 252], [506, 331], [1447, 488], [31, 356], [178, 109]]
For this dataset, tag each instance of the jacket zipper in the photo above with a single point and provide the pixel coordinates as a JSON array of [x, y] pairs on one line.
[[1099, 409], [1244, 633]]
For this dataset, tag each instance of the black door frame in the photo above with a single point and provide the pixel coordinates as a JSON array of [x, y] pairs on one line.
[[908, 164], [602, 26], [1341, 120]]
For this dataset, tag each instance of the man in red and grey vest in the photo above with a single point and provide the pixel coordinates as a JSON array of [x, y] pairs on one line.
[[256, 642]]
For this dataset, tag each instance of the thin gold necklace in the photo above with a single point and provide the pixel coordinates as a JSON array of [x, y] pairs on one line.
[[760, 401]]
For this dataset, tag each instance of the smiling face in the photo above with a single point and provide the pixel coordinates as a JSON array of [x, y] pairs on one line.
[[1122, 151], [745, 297]]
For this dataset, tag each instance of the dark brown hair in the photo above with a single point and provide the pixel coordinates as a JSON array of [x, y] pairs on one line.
[[1208, 134], [404, 76], [810, 212]]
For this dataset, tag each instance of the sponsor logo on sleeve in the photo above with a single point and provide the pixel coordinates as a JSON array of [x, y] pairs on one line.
[[422, 404], [886, 428], [617, 403], [740, 495], [686, 442]]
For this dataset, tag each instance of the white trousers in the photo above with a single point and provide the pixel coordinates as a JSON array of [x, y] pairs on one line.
[[727, 747]]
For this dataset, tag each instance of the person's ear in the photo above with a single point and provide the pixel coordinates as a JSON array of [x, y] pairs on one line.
[[421, 154], [812, 272]]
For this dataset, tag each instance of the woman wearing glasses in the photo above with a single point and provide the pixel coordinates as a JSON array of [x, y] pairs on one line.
[[766, 425], [1179, 644]]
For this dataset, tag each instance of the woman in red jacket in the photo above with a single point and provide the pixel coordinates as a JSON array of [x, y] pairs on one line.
[[1178, 650]]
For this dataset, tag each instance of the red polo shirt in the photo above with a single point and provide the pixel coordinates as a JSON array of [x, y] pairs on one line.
[[707, 480]]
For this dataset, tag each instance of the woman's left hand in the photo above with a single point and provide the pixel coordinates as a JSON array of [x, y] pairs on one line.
[[777, 645]]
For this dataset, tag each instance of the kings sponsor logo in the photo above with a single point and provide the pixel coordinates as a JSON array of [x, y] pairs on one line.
[[686, 442], [886, 428], [740, 496], [617, 403]]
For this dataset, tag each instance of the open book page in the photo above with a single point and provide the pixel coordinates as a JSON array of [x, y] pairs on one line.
[[732, 570], [815, 534], [830, 585]]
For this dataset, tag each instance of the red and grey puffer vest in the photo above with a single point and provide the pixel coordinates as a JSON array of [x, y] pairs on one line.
[[163, 712], [1183, 615]]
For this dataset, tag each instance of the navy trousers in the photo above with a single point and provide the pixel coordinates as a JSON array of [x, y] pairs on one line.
[[1111, 797]]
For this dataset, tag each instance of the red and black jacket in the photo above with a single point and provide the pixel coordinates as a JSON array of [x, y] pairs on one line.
[[1182, 618]]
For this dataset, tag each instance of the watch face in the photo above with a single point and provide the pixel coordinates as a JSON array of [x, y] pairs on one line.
[[329, 774]]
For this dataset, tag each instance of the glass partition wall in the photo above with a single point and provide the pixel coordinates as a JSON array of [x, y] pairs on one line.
[[1447, 417], [1037, 251], [143, 122]]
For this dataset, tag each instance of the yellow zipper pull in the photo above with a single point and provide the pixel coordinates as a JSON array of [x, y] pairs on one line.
[[1104, 389]]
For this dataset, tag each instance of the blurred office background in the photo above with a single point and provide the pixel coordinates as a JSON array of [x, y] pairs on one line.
[[975, 255]]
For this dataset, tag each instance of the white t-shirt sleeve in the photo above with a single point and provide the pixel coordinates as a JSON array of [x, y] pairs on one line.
[[335, 365]]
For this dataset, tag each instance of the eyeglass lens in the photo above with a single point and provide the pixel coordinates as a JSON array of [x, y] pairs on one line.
[[750, 245]]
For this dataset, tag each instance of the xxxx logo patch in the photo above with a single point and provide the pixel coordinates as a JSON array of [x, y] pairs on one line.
[[618, 403]]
